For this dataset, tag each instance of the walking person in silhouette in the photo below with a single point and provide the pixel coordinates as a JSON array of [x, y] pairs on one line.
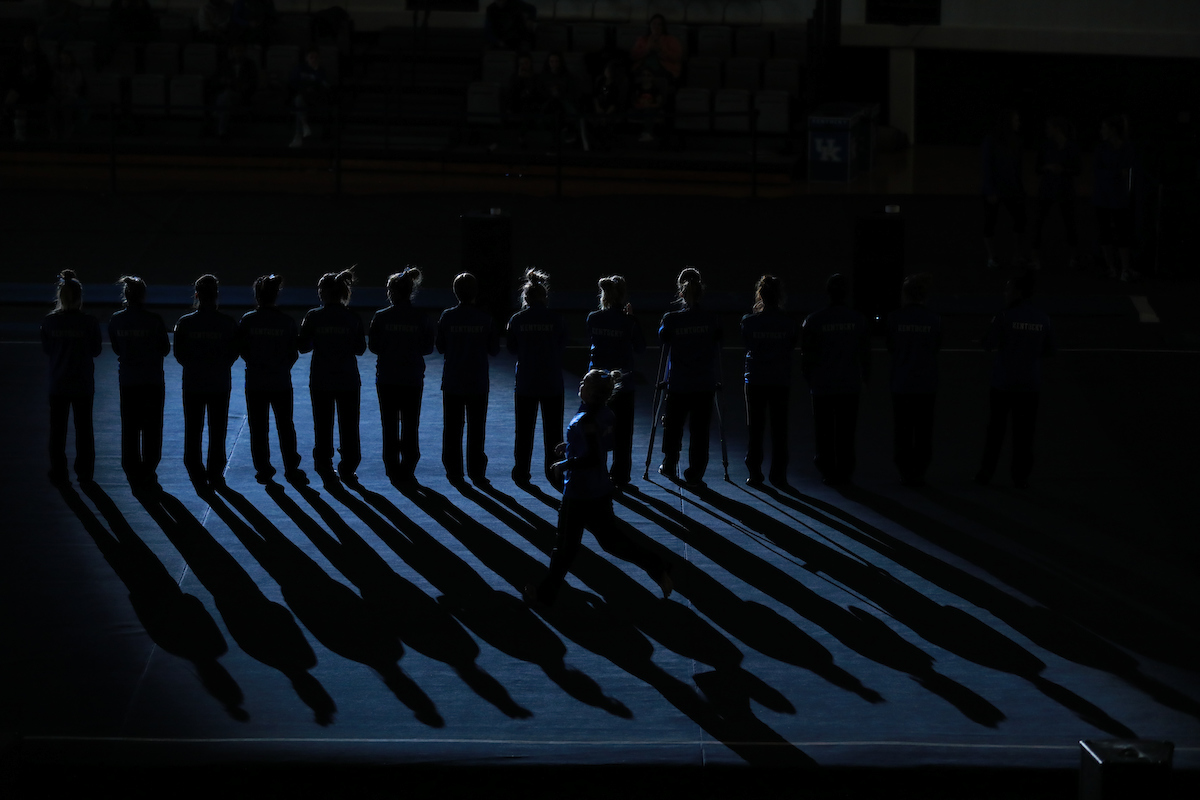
[[139, 338], [206, 347], [914, 337], [537, 337], [267, 341], [614, 340], [694, 337], [769, 337], [335, 336], [466, 336], [1021, 336], [587, 494], [835, 357], [71, 339], [401, 336]]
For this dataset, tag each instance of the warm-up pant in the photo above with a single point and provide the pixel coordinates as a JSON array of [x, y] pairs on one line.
[[400, 419], [695, 408], [345, 404], [141, 431], [195, 406], [1022, 407], [835, 422], [259, 406], [459, 410], [526, 410], [912, 425], [763, 404], [61, 408]]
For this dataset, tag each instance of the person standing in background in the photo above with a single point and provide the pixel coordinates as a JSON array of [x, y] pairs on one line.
[[835, 357], [914, 337], [139, 338], [334, 335], [769, 337], [401, 336], [267, 339], [206, 348], [71, 339], [537, 337], [614, 339], [1003, 185]]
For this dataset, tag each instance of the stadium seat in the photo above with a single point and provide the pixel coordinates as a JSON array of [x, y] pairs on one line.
[[703, 73], [731, 101], [752, 43], [743, 73], [162, 58], [774, 111], [187, 95], [148, 95], [714, 41], [693, 110]]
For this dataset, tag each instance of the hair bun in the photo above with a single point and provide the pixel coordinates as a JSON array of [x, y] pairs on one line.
[[67, 275]]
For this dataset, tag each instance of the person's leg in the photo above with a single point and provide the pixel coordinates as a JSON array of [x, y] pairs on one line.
[[674, 413], [389, 424], [453, 419], [902, 435], [552, 429], [410, 428], [282, 403], [193, 432], [258, 419], [131, 439], [777, 411], [60, 408], [571, 517], [218, 425], [622, 461], [323, 413], [348, 403], [1024, 411], [922, 433], [756, 423], [824, 439], [85, 437], [525, 418], [999, 405], [846, 424], [700, 410], [152, 434], [477, 407]]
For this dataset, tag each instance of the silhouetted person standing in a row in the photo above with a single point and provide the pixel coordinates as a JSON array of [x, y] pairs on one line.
[[769, 337], [693, 337], [614, 339], [914, 337], [1021, 337], [267, 341], [466, 336], [206, 347], [537, 337], [139, 338], [71, 339], [401, 336], [334, 335], [835, 357]]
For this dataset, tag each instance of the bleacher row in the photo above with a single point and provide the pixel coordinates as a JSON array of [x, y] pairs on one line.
[[734, 71]]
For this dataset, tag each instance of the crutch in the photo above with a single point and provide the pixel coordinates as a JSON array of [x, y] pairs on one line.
[[656, 404], [720, 420]]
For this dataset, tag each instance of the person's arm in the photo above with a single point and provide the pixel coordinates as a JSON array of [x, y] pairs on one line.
[[513, 339], [358, 336], [293, 353], [181, 345], [304, 341], [809, 350], [864, 352], [439, 340], [1049, 343], [373, 342]]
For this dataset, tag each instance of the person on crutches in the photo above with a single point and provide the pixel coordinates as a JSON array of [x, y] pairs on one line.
[[692, 337]]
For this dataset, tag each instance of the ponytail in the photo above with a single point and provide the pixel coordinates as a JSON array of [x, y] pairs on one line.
[[403, 285], [334, 287], [536, 288], [68, 293], [768, 294], [613, 293], [690, 286], [266, 290], [133, 290]]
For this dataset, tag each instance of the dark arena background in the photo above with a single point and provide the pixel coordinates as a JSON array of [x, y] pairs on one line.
[[857, 641]]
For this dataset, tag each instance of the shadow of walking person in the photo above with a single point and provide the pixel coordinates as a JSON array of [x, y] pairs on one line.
[[174, 620], [331, 611], [415, 617], [265, 630]]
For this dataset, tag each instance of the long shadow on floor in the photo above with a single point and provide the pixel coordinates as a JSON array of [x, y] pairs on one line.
[[266, 631], [496, 617], [687, 633], [1046, 627], [854, 627], [948, 627], [406, 611], [175, 621], [1146, 617], [332, 612], [588, 621]]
